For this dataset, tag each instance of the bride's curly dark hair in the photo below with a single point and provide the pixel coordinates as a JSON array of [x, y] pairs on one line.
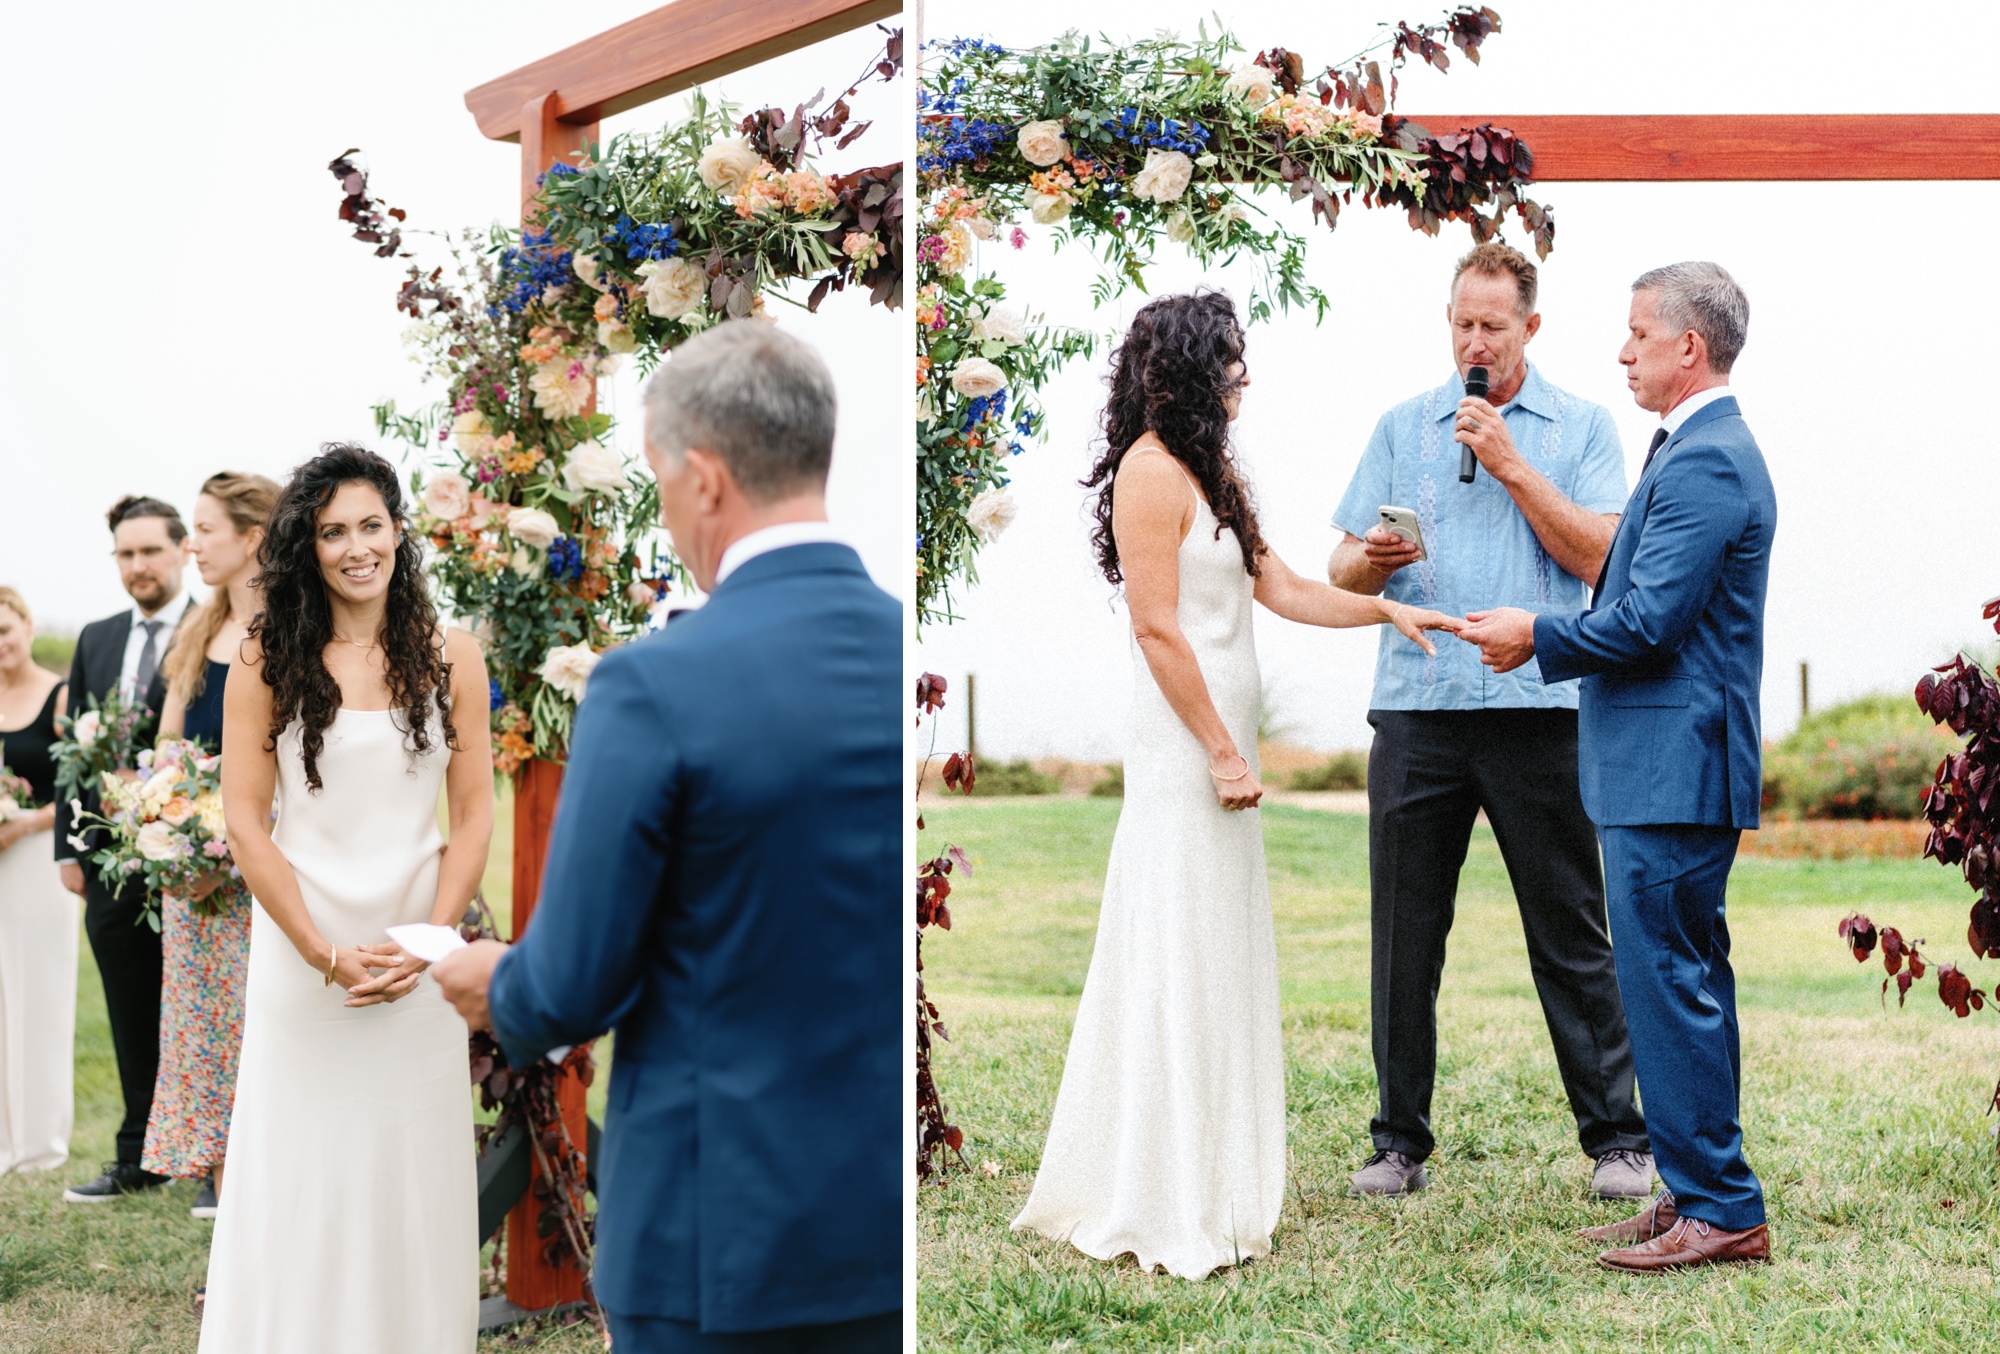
[[1169, 376], [296, 623]]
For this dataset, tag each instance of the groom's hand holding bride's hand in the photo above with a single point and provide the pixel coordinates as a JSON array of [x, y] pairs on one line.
[[465, 975], [1412, 621], [1505, 636]]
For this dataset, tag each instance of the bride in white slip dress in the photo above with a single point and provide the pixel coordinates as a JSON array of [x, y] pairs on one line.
[[1168, 1137], [350, 1219]]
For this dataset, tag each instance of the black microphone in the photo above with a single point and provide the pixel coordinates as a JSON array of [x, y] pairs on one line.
[[1475, 388]]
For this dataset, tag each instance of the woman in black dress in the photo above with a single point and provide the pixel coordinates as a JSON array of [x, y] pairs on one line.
[[38, 917]]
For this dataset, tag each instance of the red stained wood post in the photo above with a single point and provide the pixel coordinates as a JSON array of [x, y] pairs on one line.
[[552, 108], [532, 1282]]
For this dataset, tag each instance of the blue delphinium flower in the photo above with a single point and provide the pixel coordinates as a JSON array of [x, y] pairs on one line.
[[980, 408], [962, 140], [531, 268], [1189, 138], [565, 560], [652, 240], [495, 697]]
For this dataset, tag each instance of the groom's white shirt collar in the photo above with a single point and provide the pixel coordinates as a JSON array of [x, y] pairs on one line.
[[746, 548], [1688, 407]]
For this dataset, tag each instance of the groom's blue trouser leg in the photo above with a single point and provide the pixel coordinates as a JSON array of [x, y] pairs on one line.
[[658, 1335], [1665, 890]]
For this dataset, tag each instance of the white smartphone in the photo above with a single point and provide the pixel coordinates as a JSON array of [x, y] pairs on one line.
[[1403, 522]]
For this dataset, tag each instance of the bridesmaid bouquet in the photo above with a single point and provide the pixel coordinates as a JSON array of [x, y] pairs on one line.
[[168, 826], [103, 738], [17, 797]]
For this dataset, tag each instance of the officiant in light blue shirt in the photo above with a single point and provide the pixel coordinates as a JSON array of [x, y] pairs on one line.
[[1483, 550], [1452, 738]]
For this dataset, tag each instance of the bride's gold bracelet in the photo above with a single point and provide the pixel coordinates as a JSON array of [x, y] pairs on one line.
[[1239, 775], [332, 962]]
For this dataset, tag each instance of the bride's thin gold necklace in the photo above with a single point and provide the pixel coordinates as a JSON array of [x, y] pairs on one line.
[[371, 644]]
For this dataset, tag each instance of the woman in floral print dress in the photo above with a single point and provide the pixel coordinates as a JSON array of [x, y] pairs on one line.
[[206, 951]]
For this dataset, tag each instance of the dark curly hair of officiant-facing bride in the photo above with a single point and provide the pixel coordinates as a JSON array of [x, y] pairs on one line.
[[1177, 373], [296, 624]]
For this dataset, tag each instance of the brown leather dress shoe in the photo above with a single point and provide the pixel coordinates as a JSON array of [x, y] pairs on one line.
[[1690, 1243], [1655, 1219]]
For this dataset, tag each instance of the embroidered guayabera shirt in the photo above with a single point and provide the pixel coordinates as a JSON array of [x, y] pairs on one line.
[[1482, 552]]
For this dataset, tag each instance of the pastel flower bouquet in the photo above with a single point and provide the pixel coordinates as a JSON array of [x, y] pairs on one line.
[[167, 826], [104, 738], [17, 797]]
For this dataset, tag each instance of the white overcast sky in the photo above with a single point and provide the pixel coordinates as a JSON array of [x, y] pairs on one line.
[[1866, 379], [183, 300]]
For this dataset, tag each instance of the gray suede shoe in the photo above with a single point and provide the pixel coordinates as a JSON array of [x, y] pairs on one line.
[[1389, 1173], [1623, 1175]]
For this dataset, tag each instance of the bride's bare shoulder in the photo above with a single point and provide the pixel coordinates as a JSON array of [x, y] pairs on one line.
[[1147, 462]]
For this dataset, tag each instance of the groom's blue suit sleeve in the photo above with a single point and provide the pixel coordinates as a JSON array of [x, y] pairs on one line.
[[580, 966], [1697, 508]]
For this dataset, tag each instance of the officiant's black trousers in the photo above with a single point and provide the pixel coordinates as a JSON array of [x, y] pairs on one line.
[[129, 961], [1430, 772]]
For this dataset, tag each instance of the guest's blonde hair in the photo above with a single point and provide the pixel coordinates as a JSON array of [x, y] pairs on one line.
[[247, 499], [17, 604]]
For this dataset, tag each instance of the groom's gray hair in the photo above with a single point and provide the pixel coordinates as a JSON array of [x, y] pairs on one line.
[[753, 395], [1702, 297]]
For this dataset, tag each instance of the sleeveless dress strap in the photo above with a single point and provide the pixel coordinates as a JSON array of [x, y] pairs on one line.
[[1192, 487]]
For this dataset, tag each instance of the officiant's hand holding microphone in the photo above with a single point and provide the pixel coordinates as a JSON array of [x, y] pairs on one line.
[[1482, 433]]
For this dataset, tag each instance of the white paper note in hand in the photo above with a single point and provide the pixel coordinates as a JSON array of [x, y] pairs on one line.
[[428, 943]]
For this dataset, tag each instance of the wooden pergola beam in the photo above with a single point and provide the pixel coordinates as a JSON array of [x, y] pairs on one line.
[[1671, 147], [672, 48]]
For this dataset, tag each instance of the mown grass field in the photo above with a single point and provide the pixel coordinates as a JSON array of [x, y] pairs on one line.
[[120, 1278], [1866, 1126]]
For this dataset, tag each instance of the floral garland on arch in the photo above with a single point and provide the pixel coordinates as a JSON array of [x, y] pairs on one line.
[[1126, 145], [544, 539]]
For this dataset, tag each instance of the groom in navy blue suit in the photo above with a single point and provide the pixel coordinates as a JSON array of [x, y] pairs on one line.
[[1671, 655], [724, 886]]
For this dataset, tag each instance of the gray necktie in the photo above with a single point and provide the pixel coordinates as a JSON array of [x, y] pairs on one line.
[[149, 658], [1659, 440]]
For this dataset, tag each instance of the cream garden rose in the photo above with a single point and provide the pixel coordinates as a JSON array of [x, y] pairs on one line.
[[672, 287], [990, 514], [157, 840], [1164, 176], [567, 668], [1042, 143], [729, 164], [448, 496], [1252, 84], [1045, 209], [88, 729], [532, 526], [976, 378], [1180, 227], [1003, 323], [592, 465]]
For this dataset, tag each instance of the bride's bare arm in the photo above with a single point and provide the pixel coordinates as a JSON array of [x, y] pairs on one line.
[[249, 780], [468, 785], [1151, 513], [1311, 602]]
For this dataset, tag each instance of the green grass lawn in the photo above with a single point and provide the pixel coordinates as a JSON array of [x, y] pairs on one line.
[[1866, 1127], [121, 1277]]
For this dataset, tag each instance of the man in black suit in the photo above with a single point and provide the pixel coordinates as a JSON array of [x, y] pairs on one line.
[[125, 651]]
